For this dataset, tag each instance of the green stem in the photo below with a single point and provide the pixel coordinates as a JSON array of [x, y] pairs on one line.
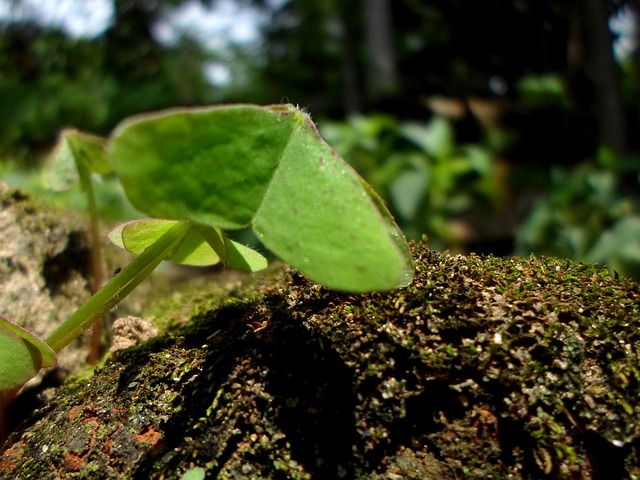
[[6, 396], [118, 287], [97, 258], [97, 262]]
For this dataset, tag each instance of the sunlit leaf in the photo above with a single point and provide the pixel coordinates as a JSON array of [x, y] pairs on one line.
[[234, 166]]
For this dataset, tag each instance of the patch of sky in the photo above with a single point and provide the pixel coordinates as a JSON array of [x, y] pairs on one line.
[[215, 26], [624, 25], [76, 18]]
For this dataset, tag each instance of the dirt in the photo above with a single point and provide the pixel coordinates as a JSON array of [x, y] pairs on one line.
[[484, 367]]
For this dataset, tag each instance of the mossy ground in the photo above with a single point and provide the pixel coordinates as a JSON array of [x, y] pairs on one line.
[[483, 368]]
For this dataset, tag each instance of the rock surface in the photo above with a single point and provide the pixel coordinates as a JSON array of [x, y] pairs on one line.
[[482, 368], [44, 269]]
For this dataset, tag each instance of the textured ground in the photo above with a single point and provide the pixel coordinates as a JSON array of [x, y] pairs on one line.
[[483, 368]]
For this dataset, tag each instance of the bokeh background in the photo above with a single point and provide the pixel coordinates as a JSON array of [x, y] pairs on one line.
[[492, 126]]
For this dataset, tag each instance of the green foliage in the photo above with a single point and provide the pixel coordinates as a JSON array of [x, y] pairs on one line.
[[536, 89], [587, 216], [112, 205], [428, 179], [49, 80], [618, 247], [204, 169], [76, 154], [202, 246], [267, 167]]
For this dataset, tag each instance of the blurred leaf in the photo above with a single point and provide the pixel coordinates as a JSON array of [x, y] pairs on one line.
[[619, 247], [76, 151], [542, 88], [435, 139], [425, 175], [407, 191], [585, 217]]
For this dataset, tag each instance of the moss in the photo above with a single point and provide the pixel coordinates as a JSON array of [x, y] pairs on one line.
[[483, 367]]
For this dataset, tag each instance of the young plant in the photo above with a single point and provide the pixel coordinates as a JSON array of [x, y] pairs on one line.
[[75, 158], [234, 166], [199, 171]]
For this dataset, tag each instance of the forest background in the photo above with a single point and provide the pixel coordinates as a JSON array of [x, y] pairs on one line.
[[494, 126]]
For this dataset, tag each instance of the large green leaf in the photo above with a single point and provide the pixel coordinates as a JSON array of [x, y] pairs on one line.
[[268, 167], [22, 355]]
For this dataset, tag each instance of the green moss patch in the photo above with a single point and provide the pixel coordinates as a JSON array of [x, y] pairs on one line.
[[483, 367]]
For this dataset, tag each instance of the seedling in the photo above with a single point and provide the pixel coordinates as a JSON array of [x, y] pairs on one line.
[[75, 158], [266, 167], [199, 171]]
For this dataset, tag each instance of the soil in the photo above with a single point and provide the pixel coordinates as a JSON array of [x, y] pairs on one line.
[[484, 367]]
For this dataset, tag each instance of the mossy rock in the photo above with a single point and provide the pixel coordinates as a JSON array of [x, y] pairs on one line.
[[483, 368]]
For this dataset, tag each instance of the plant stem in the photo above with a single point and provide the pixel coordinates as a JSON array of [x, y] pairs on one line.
[[97, 258], [4, 429], [118, 287]]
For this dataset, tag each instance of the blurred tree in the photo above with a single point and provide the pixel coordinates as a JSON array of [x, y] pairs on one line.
[[592, 53], [302, 54], [336, 57], [541, 75], [406, 49], [324, 54], [49, 81], [151, 75], [382, 69]]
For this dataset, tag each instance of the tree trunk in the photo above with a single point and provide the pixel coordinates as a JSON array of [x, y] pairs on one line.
[[382, 73], [601, 68], [351, 97], [634, 8]]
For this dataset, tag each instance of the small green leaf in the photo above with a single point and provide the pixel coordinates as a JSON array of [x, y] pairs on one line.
[[75, 151], [202, 246], [233, 254], [118, 287], [22, 355], [90, 150], [268, 167], [137, 235]]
